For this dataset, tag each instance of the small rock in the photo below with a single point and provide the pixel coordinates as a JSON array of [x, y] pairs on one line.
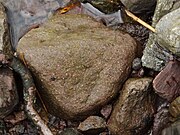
[[17, 117], [174, 108], [168, 32], [106, 111], [161, 120], [136, 65], [8, 92], [173, 129], [92, 125], [133, 112], [167, 82], [69, 131]]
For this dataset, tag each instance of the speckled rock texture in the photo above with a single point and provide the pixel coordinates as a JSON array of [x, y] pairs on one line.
[[79, 64], [133, 112], [154, 56], [8, 92]]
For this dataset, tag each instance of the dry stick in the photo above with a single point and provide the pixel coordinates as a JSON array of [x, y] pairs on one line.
[[25, 63], [29, 94], [140, 21]]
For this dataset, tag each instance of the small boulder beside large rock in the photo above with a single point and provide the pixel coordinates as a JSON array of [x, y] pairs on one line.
[[79, 64], [133, 112]]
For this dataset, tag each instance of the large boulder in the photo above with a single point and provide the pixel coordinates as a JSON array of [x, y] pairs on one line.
[[133, 112], [79, 64]]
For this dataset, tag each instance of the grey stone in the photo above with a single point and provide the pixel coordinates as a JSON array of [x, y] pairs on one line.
[[93, 125], [155, 57], [133, 111], [168, 32], [79, 64], [139, 6], [136, 65]]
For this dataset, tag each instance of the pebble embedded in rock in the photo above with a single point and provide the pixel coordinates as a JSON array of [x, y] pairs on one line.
[[106, 111], [136, 65], [133, 112], [87, 61], [167, 82], [93, 125]]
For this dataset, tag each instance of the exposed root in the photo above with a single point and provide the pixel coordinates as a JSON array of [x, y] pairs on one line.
[[29, 94]]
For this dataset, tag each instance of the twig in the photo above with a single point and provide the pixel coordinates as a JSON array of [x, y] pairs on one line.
[[21, 56], [29, 94], [140, 21]]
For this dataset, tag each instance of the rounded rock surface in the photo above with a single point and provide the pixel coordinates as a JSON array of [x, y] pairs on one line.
[[168, 31], [79, 64]]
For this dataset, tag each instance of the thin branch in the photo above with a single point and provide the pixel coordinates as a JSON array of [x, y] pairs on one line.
[[140, 21], [29, 94]]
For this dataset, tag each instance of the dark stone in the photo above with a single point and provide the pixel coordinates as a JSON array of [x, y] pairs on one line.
[[167, 82], [161, 119]]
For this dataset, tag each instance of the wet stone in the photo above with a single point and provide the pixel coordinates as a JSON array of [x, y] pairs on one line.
[[167, 82], [92, 125], [78, 64], [133, 112]]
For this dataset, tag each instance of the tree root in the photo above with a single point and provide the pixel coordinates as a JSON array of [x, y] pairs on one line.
[[29, 94]]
